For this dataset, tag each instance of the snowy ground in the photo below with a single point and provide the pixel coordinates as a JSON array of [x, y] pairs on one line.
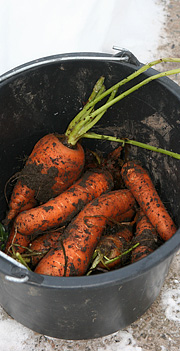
[[38, 28], [30, 30]]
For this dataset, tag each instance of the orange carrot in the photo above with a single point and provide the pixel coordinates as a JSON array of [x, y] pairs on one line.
[[124, 217], [57, 161], [83, 234], [22, 199], [139, 183], [113, 245], [143, 225], [112, 163], [146, 236], [50, 169], [140, 252], [145, 232], [61, 209], [16, 242], [43, 243]]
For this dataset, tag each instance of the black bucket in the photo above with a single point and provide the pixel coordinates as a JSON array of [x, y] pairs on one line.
[[42, 97]]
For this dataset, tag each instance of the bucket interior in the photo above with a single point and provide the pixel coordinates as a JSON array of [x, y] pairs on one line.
[[44, 99]]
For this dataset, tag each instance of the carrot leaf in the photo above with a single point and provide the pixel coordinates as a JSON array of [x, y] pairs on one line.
[[88, 116], [21, 260], [92, 135], [108, 261], [97, 258]]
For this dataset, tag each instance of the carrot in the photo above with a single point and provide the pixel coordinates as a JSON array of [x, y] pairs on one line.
[[43, 243], [124, 217], [111, 162], [139, 183], [122, 231], [146, 236], [140, 252], [50, 169], [56, 161], [83, 234], [145, 232], [22, 199], [112, 245], [61, 209], [16, 242]]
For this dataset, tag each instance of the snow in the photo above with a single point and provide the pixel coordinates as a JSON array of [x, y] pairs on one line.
[[34, 29], [171, 301], [12, 334], [38, 28]]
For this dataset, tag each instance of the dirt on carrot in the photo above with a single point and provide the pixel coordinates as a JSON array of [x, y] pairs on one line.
[[17, 242], [83, 234], [112, 245], [56, 161], [42, 244], [138, 181], [61, 209], [50, 169], [140, 252]]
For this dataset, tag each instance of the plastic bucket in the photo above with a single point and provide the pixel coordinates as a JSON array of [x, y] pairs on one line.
[[42, 97]]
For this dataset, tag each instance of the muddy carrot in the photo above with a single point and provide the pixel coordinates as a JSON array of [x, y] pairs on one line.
[[57, 161], [61, 209], [22, 199], [83, 234], [146, 236], [43, 243], [111, 162], [50, 169], [140, 252], [16, 242], [145, 232], [140, 184], [112, 245], [124, 217]]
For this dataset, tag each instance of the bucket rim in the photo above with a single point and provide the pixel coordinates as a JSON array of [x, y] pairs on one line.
[[125, 59], [116, 277], [72, 56], [119, 276]]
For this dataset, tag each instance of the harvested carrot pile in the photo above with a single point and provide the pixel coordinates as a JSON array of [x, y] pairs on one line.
[[73, 212], [110, 217]]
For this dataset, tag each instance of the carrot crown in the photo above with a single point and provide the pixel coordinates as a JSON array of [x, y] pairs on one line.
[[88, 116]]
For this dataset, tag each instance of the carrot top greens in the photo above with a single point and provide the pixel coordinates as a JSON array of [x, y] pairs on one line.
[[88, 116]]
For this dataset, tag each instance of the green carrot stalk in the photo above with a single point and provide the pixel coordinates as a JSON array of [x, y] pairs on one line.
[[98, 90], [21, 260], [141, 70], [92, 135], [134, 88], [99, 257], [75, 131], [108, 261]]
